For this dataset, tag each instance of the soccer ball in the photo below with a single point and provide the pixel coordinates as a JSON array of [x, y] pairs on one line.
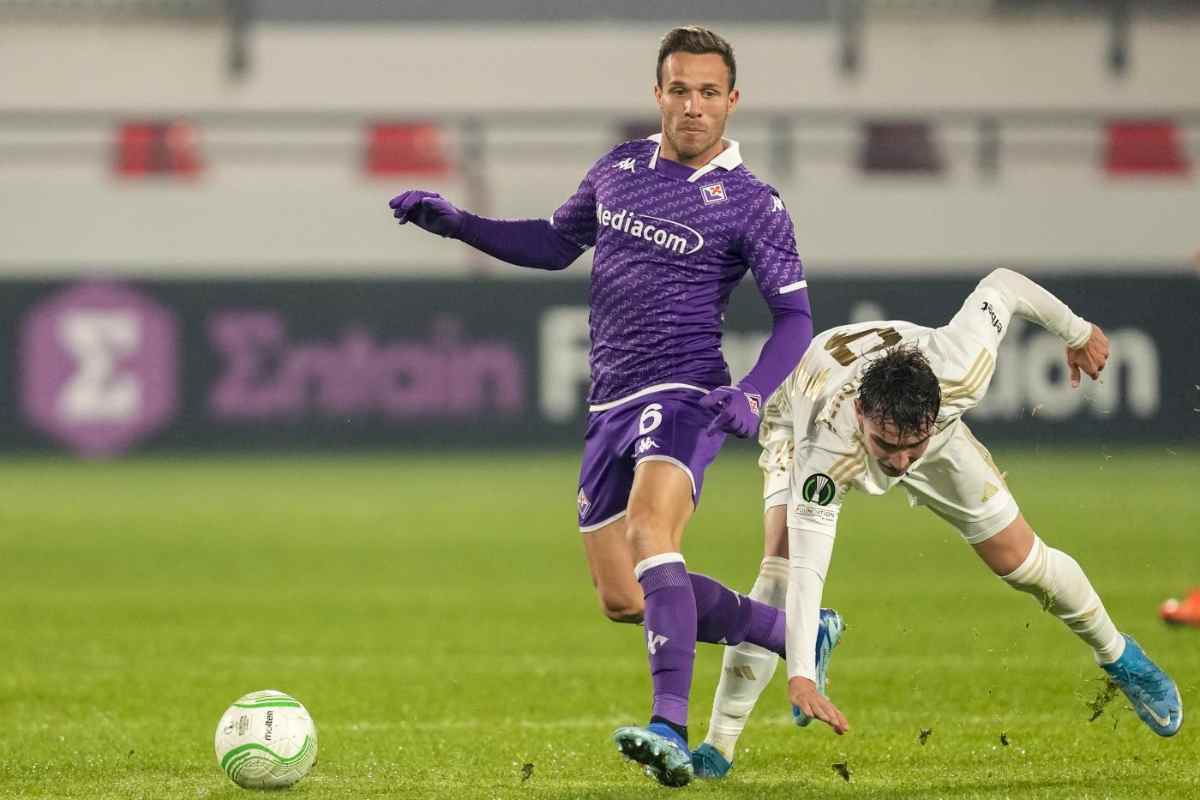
[[266, 740]]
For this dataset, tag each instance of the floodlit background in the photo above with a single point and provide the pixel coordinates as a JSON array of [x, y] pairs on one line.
[[255, 435]]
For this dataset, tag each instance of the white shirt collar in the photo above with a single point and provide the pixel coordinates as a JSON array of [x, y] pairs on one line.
[[728, 159]]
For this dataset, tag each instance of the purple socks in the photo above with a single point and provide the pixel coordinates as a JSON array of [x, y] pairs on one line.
[[670, 621], [725, 617], [683, 608]]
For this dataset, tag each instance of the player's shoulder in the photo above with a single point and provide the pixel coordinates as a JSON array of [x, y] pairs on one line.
[[832, 444], [749, 181], [755, 191], [742, 177], [821, 394], [634, 148]]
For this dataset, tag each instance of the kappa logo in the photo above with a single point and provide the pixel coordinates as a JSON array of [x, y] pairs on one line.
[[665, 233], [644, 445], [583, 503], [654, 641], [776, 203], [713, 193], [628, 165]]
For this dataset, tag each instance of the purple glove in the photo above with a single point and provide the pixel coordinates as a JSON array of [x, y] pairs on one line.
[[737, 409], [428, 210]]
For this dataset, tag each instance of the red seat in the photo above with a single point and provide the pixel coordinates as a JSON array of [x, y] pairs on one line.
[[157, 149], [408, 148], [1144, 147]]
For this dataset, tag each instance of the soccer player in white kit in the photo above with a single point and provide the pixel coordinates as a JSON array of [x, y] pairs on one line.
[[880, 404]]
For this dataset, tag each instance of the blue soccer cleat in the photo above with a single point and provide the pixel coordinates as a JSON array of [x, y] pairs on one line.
[[828, 635], [1154, 696], [661, 751], [709, 764]]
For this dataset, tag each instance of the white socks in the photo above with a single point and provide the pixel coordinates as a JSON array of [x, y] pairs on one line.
[[1053, 578], [1058, 583], [746, 669]]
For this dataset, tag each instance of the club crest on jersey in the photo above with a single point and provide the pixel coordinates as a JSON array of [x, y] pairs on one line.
[[584, 503], [628, 165], [818, 488], [713, 193], [755, 402]]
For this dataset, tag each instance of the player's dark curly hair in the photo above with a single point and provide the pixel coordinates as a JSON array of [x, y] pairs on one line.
[[694, 39], [899, 387]]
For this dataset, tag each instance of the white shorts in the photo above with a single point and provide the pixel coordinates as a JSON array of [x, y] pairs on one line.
[[962, 485], [960, 482]]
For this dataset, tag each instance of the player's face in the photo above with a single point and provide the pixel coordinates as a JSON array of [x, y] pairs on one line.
[[694, 97], [895, 453]]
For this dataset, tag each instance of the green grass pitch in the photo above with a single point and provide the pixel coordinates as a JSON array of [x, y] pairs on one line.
[[436, 617]]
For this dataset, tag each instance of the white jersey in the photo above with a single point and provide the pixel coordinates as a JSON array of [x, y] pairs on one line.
[[814, 454], [819, 394]]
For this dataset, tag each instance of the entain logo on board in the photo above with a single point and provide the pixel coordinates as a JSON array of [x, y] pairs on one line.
[[270, 376], [98, 367]]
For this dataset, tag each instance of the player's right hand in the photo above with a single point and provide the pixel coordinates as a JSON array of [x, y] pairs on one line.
[[805, 696], [1090, 358], [428, 210]]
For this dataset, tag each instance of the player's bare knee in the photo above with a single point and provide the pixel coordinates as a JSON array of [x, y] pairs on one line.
[[647, 529], [1004, 561], [642, 517], [1007, 550], [621, 607]]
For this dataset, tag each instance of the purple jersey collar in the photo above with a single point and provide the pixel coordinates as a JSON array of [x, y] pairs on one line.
[[728, 159]]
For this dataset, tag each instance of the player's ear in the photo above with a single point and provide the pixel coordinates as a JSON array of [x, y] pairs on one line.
[[734, 97]]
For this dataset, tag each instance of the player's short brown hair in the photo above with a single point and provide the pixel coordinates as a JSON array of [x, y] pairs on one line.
[[694, 39], [901, 388]]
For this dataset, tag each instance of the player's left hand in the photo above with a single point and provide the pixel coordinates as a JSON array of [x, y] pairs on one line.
[[1090, 358], [737, 409]]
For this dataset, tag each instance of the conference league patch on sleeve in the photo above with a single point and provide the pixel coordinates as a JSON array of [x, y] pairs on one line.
[[815, 505], [818, 489]]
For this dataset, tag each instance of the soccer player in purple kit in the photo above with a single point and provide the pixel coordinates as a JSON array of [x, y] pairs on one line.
[[676, 220]]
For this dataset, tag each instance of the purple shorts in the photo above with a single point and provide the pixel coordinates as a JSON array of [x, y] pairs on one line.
[[663, 426]]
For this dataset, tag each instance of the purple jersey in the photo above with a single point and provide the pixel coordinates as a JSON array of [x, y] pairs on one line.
[[671, 243]]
